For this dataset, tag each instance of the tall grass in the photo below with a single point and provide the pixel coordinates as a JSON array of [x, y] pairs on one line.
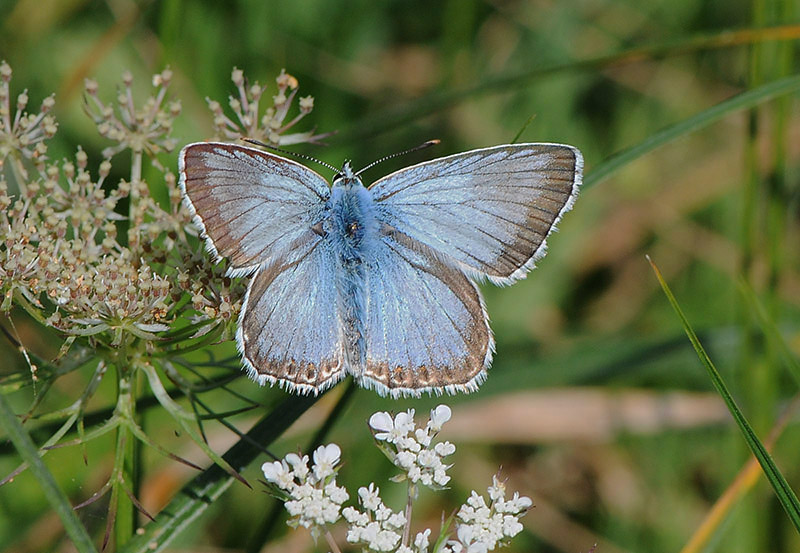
[[596, 406]]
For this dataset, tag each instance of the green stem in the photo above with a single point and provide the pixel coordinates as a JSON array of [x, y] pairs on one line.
[[124, 469], [412, 493]]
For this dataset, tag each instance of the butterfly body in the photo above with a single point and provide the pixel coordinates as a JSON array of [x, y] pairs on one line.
[[376, 282], [351, 234]]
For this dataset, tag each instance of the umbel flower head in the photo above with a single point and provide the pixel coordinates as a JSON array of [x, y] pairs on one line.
[[314, 500], [312, 496], [413, 449], [22, 134], [269, 127]]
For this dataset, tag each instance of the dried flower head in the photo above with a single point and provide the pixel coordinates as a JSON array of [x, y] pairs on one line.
[[141, 129], [24, 134], [269, 127]]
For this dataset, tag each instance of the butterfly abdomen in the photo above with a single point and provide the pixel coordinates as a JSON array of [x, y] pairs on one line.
[[352, 234]]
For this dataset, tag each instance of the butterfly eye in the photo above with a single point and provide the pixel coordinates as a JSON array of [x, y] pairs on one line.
[[352, 228]]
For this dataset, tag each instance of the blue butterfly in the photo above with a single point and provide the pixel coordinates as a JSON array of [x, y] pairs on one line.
[[376, 282]]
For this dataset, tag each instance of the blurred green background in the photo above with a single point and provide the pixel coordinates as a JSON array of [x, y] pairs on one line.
[[596, 406]]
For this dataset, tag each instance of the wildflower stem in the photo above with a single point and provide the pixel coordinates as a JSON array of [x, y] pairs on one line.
[[30, 309], [134, 213], [124, 463], [412, 492], [19, 172], [332, 542]]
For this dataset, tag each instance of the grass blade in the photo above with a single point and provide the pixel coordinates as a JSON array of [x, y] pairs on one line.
[[55, 496], [437, 102], [742, 101], [785, 494]]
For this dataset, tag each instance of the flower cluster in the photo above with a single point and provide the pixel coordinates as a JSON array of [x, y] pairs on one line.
[[377, 527], [413, 449], [146, 129], [312, 497], [74, 258], [482, 527], [60, 243], [314, 500], [26, 133], [269, 127]]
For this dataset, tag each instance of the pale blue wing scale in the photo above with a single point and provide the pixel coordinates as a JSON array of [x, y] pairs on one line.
[[489, 210], [252, 206], [289, 330], [427, 329]]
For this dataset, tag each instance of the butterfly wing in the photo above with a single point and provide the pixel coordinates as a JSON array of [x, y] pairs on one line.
[[288, 327], [258, 210], [427, 329], [252, 206], [490, 210]]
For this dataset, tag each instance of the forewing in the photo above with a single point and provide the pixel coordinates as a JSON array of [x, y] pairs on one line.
[[427, 329], [288, 327], [251, 206], [490, 210]]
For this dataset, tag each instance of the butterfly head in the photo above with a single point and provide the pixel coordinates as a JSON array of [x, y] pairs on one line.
[[347, 178]]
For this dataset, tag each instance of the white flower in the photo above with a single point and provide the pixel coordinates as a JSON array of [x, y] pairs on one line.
[[354, 516], [444, 449], [279, 474], [369, 497], [379, 528], [422, 436], [315, 500], [383, 424], [405, 460], [408, 444], [396, 520], [404, 421], [476, 500], [518, 503], [497, 490], [386, 540], [382, 513], [440, 477], [299, 465], [439, 416], [481, 527], [337, 494], [427, 458], [325, 459], [421, 540], [390, 430], [511, 526]]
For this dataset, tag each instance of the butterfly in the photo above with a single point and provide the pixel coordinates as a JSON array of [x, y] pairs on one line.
[[379, 282]]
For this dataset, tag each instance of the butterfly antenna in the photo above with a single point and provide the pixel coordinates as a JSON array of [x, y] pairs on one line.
[[422, 146], [290, 153]]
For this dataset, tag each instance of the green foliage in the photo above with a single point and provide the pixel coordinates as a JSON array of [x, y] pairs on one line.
[[118, 359]]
